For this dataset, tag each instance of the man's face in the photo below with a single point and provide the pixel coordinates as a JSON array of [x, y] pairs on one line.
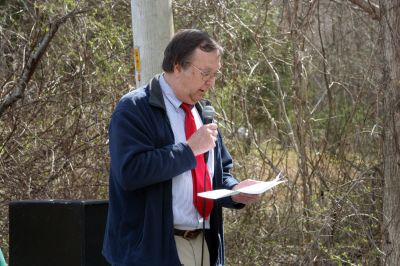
[[198, 77]]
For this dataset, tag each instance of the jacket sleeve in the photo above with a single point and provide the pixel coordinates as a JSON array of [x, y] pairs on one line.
[[136, 160]]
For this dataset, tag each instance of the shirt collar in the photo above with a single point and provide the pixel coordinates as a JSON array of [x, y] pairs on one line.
[[169, 93]]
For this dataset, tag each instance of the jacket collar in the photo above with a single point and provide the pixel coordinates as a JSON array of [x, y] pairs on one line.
[[156, 97]]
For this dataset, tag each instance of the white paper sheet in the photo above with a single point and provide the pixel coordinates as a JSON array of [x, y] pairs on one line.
[[257, 188]]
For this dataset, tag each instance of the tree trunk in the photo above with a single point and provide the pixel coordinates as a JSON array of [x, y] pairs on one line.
[[152, 25], [300, 107], [390, 25]]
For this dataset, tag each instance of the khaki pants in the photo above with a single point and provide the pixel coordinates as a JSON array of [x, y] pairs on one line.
[[189, 251]]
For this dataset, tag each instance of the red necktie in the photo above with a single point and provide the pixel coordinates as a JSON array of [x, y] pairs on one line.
[[200, 176]]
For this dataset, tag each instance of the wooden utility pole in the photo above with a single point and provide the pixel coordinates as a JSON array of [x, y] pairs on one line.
[[152, 25]]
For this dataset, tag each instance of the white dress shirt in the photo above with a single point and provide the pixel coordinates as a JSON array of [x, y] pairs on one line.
[[185, 214]]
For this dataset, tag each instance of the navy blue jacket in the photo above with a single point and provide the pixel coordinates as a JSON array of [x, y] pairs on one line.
[[144, 159]]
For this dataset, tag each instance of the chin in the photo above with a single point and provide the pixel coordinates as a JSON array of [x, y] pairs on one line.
[[197, 100]]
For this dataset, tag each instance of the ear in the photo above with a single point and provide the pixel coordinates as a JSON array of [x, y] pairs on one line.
[[177, 68]]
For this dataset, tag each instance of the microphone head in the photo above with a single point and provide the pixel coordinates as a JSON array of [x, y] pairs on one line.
[[208, 114]]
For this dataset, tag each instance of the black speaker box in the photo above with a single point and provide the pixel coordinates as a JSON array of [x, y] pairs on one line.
[[57, 232]]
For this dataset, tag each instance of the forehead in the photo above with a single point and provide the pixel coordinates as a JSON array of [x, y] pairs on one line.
[[206, 60]]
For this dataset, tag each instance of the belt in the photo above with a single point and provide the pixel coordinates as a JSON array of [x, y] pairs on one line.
[[187, 234]]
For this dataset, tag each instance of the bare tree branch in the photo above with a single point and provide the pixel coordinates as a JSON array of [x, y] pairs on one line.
[[371, 8], [33, 60]]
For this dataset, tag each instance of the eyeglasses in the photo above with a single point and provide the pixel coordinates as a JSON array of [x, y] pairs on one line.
[[205, 76]]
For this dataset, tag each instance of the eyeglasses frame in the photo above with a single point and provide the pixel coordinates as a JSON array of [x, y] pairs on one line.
[[207, 76]]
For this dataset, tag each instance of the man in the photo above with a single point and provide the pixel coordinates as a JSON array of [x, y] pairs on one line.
[[157, 164]]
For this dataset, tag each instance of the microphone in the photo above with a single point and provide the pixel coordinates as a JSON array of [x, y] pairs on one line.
[[208, 114], [208, 117]]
